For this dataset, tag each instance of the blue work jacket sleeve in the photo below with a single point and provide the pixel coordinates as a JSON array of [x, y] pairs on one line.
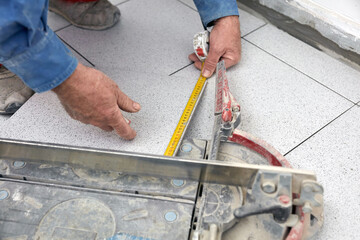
[[29, 48], [210, 10]]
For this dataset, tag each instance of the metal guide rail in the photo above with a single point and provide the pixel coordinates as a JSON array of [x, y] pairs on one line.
[[212, 171], [228, 180]]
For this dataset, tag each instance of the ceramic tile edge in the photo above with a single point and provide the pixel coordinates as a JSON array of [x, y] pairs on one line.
[[320, 129], [296, 69]]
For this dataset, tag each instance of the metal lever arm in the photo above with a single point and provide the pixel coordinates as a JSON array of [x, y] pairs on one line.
[[270, 193]]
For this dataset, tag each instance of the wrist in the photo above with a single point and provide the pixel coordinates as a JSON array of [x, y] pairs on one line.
[[70, 81], [227, 20]]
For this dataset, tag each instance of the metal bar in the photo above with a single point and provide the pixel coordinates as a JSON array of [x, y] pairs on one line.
[[100, 191], [219, 102], [143, 164]]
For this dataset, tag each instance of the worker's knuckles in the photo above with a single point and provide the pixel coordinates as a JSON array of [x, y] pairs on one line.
[[111, 116]]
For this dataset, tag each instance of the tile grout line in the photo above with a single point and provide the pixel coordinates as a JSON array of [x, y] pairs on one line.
[[319, 130], [63, 28], [77, 52], [300, 71], [254, 30], [185, 5], [122, 2], [181, 69]]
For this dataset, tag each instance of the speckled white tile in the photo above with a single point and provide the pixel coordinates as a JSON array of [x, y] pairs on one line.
[[79, 57], [163, 99], [117, 2], [279, 104], [56, 22], [189, 3], [320, 66], [3, 118], [248, 22], [333, 153], [152, 36]]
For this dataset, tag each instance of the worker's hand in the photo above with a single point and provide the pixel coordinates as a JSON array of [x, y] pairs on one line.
[[91, 97], [224, 44]]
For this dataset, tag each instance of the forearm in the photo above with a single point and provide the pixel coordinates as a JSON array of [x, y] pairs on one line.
[[29, 48], [210, 10]]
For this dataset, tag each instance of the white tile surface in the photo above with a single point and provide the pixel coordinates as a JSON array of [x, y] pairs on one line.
[[248, 22], [3, 118], [333, 154], [117, 2], [189, 3], [162, 98], [56, 22], [320, 66], [279, 104], [152, 36]]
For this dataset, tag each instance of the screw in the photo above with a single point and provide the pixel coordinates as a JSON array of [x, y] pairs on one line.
[[186, 148], [2, 165], [307, 208], [237, 212], [177, 182], [170, 216], [268, 187], [19, 164], [284, 199], [3, 194]]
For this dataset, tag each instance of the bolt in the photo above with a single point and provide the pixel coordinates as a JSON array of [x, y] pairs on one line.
[[237, 212], [284, 199], [177, 182], [307, 208], [19, 164], [170, 216], [2, 165], [268, 187], [3, 194], [186, 148]]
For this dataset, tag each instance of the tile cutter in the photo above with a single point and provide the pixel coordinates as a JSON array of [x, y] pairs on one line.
[[50, 191]]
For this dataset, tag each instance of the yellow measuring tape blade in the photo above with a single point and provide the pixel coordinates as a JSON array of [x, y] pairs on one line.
[[185, 117]]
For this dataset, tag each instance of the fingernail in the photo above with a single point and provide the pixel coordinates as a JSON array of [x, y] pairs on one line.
[[127, 120], [136, 106], [206, 73]]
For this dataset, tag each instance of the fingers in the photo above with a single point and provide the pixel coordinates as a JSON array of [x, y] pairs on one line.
[[120, 125], [193, 57], [196, 60], [211, 62], [230, 62], [126, 104]]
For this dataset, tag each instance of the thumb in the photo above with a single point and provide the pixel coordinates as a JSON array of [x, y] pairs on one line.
[[210, 63], [126, 104]]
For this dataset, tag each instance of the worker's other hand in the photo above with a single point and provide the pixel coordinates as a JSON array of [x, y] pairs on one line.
[[91, 97], [224, 44]]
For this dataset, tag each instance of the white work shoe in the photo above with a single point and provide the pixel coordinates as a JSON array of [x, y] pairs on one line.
[[13, 92]]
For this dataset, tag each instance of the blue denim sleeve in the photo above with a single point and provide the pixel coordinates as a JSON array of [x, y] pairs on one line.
[[210, 10], [29, 48]]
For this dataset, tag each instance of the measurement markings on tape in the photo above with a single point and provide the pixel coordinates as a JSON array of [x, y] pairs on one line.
[[185, 117]]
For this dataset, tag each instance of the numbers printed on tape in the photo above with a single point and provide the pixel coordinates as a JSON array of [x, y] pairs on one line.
[[180, 128]]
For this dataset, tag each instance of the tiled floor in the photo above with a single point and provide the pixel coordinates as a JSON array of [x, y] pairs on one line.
[[293, 96]]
